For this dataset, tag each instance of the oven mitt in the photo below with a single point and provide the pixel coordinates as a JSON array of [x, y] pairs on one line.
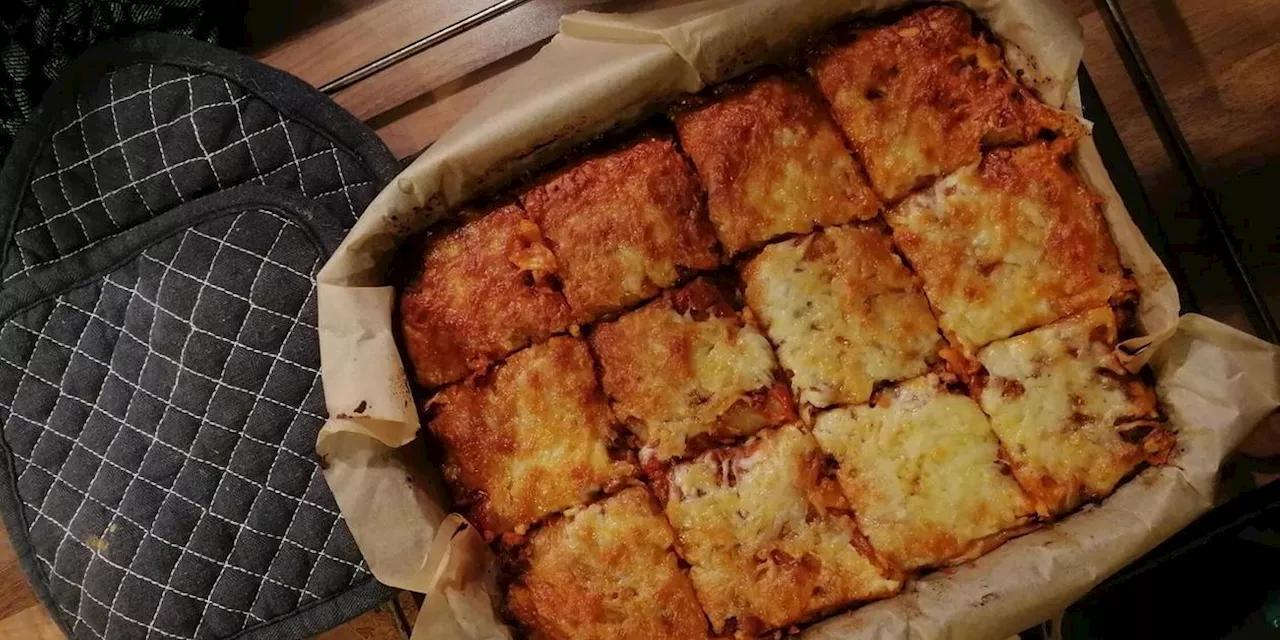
[[162, 218]]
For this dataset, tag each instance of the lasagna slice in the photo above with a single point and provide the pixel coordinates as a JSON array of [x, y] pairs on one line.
[[843, 311], [476, 294], [1072, 420], [772, 162], [1012, 243], [624, 225], [605, 571], [686, 370], [922, 470], [769, 537], [531, 437], [920, 97]]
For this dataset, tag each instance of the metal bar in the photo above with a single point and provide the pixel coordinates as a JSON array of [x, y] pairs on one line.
[[420, 45], [1128, 184], [1175, 144], [403, 624]]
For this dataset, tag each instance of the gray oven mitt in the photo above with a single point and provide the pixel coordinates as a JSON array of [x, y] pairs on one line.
[[162, 218]]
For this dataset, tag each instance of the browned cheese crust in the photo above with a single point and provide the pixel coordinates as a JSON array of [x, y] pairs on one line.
[[1073, 422], [687, 369], [769, 537], [920, 97], [843, 311], [624, 225], [772, 162], [1012, 243], [528, 439], [604, 572], [479, 293], [922, 470], [913, 364]]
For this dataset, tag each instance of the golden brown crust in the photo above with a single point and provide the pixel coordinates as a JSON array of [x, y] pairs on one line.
[[921, 468], [769, 537], [1007, 240], [686, 369], [918, 98], [843, 311], [607, 571], [478, 293], [530, 438], [772, 162], [623, 225], [1016, 242], [1073, 422]]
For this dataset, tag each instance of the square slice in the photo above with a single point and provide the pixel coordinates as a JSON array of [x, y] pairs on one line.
[[476, 294], [606, 571], [686, 370], [772, 162], [769, 537], [921, 468], [1072, 420], [530, 438], [920, 97], [624, 225], [843, 311], [1009, 244]]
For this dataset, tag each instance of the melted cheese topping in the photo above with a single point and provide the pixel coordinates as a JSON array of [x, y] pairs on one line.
[[606, 571], [675, 371], [479, 293], [1073, 422], [623, 225], [769, 538], [530, 439], [843, 311], [918, 98], [922, 471], [1012, 243], [772, 162]]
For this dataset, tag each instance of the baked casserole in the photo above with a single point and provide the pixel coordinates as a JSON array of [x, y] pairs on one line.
[[820, 330]]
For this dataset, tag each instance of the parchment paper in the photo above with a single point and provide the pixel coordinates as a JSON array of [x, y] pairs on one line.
[[1214, 383]]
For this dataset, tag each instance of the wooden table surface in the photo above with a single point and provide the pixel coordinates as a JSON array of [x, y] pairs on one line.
[[1215, 61]]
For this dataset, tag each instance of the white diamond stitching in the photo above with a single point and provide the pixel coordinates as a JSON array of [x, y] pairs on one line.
[[96, 315], [30, 258]]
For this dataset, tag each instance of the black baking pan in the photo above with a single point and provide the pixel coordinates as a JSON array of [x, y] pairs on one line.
[[1224, 568]]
